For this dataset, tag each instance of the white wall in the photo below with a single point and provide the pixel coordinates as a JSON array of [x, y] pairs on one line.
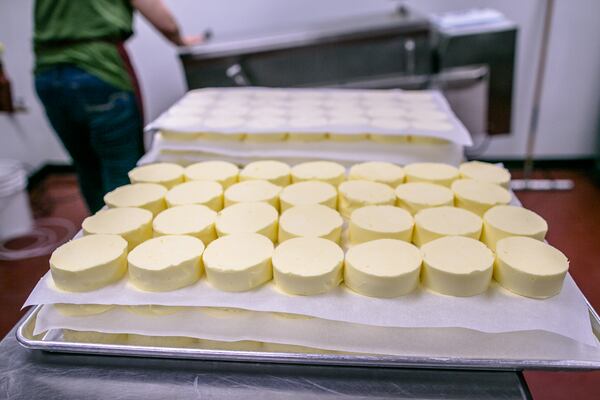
[[570, 105]]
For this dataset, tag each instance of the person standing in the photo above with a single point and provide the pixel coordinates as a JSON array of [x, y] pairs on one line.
[[87, 85]]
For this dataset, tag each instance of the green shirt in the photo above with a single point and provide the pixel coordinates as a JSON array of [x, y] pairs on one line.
[[83, 33]]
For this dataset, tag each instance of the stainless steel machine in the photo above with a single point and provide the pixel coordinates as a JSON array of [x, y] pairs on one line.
[[472, 64]]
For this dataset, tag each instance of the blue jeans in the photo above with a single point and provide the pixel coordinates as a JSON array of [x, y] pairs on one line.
[[99, 125]]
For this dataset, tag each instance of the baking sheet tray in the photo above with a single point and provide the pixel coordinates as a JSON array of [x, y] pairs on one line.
[[338, 111], [52, 341]]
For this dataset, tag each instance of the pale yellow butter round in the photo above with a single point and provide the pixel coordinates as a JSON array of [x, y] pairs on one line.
[[82, 310], [485, 172], [382, 268], [380, 222], [417, 196], [438, 173], [132, 224], [166, 263], [206, 193], [193, 220], [530, 267], [253, 191], [311, 220], [324, 171], [70, 335], [166, 174], [504, 221], [457, 266], [248, 218], [307, 266], [308, 192], [359, 193], [160, 341], [378, 171], [434, 223], [222, 172], [89, 263], [356, 137], [276, 172], [478, 196], [239, 262], [150, 196]]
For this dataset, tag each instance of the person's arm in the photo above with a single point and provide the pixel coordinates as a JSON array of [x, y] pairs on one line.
[[161, 18]]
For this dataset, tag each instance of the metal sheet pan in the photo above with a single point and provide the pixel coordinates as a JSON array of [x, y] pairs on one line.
[[52, 341]]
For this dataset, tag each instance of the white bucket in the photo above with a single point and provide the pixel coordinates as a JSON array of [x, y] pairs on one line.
[[15, 213]]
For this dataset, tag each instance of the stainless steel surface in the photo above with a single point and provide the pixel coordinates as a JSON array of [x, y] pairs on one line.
[[323, 54], [52, 342], [496, 50], [385, 50], [31, 374], [333, 32]]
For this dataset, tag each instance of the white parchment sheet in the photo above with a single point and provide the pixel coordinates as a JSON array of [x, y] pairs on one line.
[[294, 152], [496, 310], [330, 335], [189, 115]]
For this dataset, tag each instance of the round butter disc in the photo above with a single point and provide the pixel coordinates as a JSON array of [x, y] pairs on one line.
[[248, 218], [82, 310], [206, 193], [239, 345], [417, 196], [457, 266], [504, 221], [166, 174], [308, 192], [387, 139], [89, 263], [438, 173], [253, 191], [324, 171], [70, 335], [355, 137], [222, 172], [311, 220], [149, 196], [239, 262], [434, 223], [307, 266], [193, 220], [132, 224], [276, 172], [478, 196], [530, 267], [166, 263], [160, 341], [356, 194], [383, 268], [378, 171], [153, 310], [485, 172], [380, 222], [306, 136]]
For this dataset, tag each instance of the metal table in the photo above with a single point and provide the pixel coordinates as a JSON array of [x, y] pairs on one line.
[[31, 374]]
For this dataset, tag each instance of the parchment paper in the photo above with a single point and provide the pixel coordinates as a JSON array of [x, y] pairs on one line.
[[330, 335], [496, 310], [294, 152]]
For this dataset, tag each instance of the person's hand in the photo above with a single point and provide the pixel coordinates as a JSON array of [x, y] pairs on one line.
[[191, 40]]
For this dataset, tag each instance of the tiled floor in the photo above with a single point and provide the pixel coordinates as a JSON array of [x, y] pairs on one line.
[[574, 220]]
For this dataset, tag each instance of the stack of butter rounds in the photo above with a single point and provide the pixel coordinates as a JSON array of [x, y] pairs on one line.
[[377, 229]]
